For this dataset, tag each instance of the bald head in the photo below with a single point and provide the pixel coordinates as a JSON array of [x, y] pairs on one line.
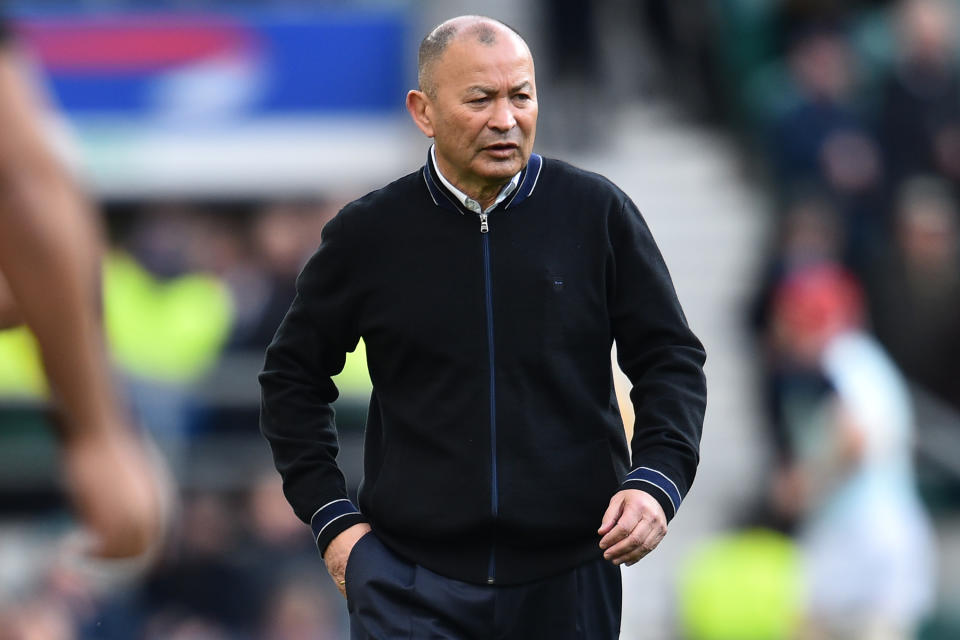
[[486, 31]]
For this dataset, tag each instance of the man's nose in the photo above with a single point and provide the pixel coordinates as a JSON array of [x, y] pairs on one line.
[[502, 118]]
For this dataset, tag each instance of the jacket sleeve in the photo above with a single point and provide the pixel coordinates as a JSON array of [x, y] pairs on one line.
[[296, 416], [663, 360]]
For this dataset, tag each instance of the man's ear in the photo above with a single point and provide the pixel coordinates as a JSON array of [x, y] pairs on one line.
[[418, 104]]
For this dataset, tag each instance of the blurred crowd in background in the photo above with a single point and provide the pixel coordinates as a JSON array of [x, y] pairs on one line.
[[847, 114]]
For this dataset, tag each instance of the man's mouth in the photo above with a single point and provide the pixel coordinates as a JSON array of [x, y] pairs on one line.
[[501, 148]]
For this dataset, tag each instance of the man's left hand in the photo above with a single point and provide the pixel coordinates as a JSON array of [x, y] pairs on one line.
[[633, 526]]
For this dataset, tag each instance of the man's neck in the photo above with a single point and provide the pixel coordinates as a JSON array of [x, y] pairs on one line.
[[485, 194]]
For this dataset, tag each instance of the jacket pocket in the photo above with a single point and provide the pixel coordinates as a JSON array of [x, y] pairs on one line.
[[354, 562], [559, 493]]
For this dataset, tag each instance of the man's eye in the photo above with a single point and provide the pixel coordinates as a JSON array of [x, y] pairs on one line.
[[479, 101], [522, 97]]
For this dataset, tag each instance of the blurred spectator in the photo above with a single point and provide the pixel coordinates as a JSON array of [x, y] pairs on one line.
[[282, 237], [822, 139], [867, 543], [300, 611], [920, 113], [274, 548], [186, 628], [169, 312], [301, 604], [240, 568], [914, 290], [38, 619], [272, 521], [820, 68], [205, 583], [809, 235]]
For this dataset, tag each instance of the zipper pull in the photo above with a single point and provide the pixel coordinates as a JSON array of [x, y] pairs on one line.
[[484, 227]]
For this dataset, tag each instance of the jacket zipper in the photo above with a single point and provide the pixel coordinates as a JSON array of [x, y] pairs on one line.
[[488, 282]]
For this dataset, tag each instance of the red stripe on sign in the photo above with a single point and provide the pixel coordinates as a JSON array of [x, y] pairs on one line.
[[129, 45]]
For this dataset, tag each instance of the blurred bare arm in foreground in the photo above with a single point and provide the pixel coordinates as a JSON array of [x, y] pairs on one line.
[[50, 248], [9, 315]]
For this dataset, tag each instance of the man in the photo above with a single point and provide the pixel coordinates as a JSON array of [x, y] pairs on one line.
[[50, 280], [498, 497]]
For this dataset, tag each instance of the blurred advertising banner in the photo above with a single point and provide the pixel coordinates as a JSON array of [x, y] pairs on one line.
[[216, 66], [211, 102]]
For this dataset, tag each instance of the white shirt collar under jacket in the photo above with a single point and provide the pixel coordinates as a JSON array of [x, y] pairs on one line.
[[466, 200]]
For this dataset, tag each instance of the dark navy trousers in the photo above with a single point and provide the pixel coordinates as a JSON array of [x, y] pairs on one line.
[[390, 598]]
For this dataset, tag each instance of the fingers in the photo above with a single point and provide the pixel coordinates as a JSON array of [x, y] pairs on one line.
[[611, 515], [633, 526], [642, 540], [621, 528]]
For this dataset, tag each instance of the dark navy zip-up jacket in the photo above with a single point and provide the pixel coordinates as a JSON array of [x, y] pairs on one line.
[[493, 441]]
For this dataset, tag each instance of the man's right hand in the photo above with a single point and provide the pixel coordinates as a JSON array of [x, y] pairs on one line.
[[338, 553]]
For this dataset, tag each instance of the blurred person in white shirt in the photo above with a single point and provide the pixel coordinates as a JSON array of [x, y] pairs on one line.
[[867, 541]]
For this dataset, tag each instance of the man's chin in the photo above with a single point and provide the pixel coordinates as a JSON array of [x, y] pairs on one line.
[[501, 169]]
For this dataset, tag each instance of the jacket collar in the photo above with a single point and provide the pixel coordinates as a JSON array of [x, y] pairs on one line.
[[442, 197]]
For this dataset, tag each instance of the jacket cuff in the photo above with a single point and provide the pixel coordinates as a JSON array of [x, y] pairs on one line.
[[658, 485], [332, 519]]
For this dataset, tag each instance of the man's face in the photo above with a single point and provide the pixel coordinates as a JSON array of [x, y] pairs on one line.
[[484, 113]]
